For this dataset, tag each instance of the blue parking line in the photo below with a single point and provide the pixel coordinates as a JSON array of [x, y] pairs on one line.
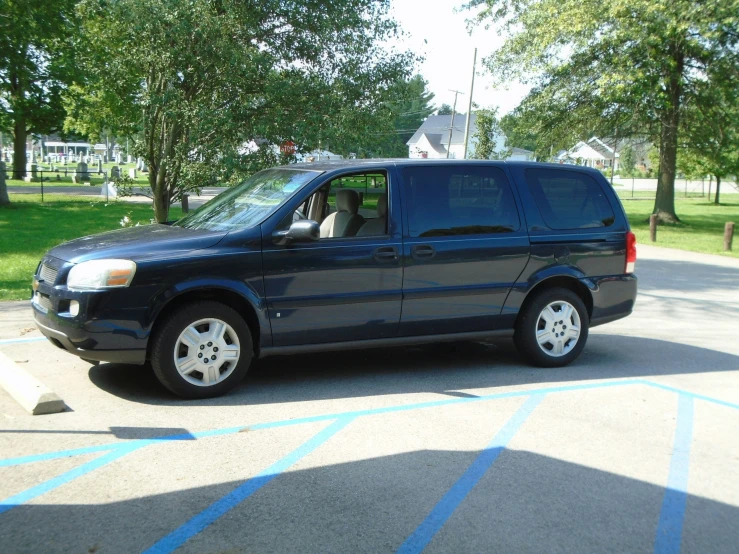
[[55, 482], [29, 339], [670, 525], [430, 526], [318, 418], [208, 516], [691, 394], [56, 455]]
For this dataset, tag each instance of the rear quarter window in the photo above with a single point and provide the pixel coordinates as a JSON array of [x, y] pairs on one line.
[[569, 199]]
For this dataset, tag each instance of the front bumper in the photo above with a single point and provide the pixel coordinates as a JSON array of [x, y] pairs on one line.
[[107, 328], [59, 339]]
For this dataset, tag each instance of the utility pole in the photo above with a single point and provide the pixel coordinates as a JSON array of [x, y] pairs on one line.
[[469, 107], [451, 125]]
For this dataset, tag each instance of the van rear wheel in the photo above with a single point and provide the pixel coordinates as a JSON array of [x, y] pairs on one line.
[[201, 350], [553, 328]]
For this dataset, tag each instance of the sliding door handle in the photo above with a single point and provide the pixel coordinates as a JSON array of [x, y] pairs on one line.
[[422, 251]]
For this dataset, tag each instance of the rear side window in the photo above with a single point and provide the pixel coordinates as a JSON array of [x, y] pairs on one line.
[[449, 201], [569, 199]]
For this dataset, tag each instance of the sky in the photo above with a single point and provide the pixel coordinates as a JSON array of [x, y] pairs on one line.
[[440, 34]]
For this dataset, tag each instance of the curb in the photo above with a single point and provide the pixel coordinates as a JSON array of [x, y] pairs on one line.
[[35, 397]]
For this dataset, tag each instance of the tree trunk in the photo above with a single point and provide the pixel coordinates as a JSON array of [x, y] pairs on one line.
[[4, 198], [664, 203], [718, 189], [161, 197], [19, 149]]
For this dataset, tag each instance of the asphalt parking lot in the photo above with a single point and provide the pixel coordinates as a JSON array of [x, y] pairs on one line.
[[442, 448]]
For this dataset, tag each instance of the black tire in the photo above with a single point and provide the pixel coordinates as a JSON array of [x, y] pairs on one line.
[[168, 333], [525, 336]]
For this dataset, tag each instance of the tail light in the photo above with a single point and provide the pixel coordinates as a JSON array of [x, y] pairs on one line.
[[630, 252]]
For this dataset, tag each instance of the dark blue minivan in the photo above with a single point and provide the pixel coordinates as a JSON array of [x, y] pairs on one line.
[[342, 255]]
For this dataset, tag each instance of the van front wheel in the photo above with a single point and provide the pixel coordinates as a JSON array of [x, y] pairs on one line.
[[553, 328], [202, 350]]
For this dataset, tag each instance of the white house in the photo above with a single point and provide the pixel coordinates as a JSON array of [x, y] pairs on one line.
[[432, 139], [602, 153], [520, 155], [593, 153]]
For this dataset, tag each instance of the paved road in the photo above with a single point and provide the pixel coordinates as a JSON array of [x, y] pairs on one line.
[[457, 448]]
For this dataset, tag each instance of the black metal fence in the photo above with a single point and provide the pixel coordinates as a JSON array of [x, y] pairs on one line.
[[54, 182]]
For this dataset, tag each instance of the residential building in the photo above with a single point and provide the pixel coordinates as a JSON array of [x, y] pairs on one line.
[[602, 153], [431, 140]]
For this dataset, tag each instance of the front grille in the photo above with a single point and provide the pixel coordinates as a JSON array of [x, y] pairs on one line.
[[47, 274], [43, 301]]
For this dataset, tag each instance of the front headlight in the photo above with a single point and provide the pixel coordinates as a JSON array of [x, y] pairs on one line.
[[101, 274]]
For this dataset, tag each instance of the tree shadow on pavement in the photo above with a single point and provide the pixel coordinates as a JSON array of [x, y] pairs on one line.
[[526, 502], [443, 369]]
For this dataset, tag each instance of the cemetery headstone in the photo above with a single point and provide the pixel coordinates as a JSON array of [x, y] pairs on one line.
[[132, 173], [129, 159], [31, 173], [100, 165], [81, 174], [115, 172]]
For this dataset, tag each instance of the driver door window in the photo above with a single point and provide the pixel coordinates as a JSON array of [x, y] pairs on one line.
[[348, 206]]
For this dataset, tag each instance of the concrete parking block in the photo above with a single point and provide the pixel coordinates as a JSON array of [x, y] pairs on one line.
[[34, 396]]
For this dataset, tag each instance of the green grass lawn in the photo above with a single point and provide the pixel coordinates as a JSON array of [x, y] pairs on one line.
[[701, 229], [28, 229]]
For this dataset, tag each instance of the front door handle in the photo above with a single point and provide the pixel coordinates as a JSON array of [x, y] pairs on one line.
[[385, 254], [420, 251]]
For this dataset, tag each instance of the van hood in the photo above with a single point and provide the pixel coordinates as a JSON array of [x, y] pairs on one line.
[[137, 243]]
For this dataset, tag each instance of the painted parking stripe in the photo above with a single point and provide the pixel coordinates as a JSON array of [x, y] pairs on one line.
[[692, 395], [670, 525], [208, 516], [15, 341], [71, 475], [328, 417], [324, 417], [430, 526], [59, 454]]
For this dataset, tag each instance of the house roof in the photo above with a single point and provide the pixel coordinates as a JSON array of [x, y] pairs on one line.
[[601, 147], [439, 125], [515, 150]]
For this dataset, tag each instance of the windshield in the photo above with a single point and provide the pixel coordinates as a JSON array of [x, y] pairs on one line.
[[249, 203]]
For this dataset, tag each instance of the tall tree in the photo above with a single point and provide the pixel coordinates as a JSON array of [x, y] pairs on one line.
[[410, 106], [195, 81], [627, 161], [519, 132], [712, 131], [635, 65], [486, 133], [36, 66], [444, 109]]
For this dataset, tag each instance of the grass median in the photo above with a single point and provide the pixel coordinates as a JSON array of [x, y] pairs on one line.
[[701, 228], [28, 229]]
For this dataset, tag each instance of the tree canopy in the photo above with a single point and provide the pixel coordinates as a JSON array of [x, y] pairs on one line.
[[36, 66], [621, 68], [411, 104], [444, 109], [487, 129], [207, 87]]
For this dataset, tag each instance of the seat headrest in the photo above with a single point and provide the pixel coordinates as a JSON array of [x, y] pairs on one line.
[[382, 206], [347, 201]]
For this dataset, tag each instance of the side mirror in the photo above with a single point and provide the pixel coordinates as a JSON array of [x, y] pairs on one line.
[[304, 230]]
